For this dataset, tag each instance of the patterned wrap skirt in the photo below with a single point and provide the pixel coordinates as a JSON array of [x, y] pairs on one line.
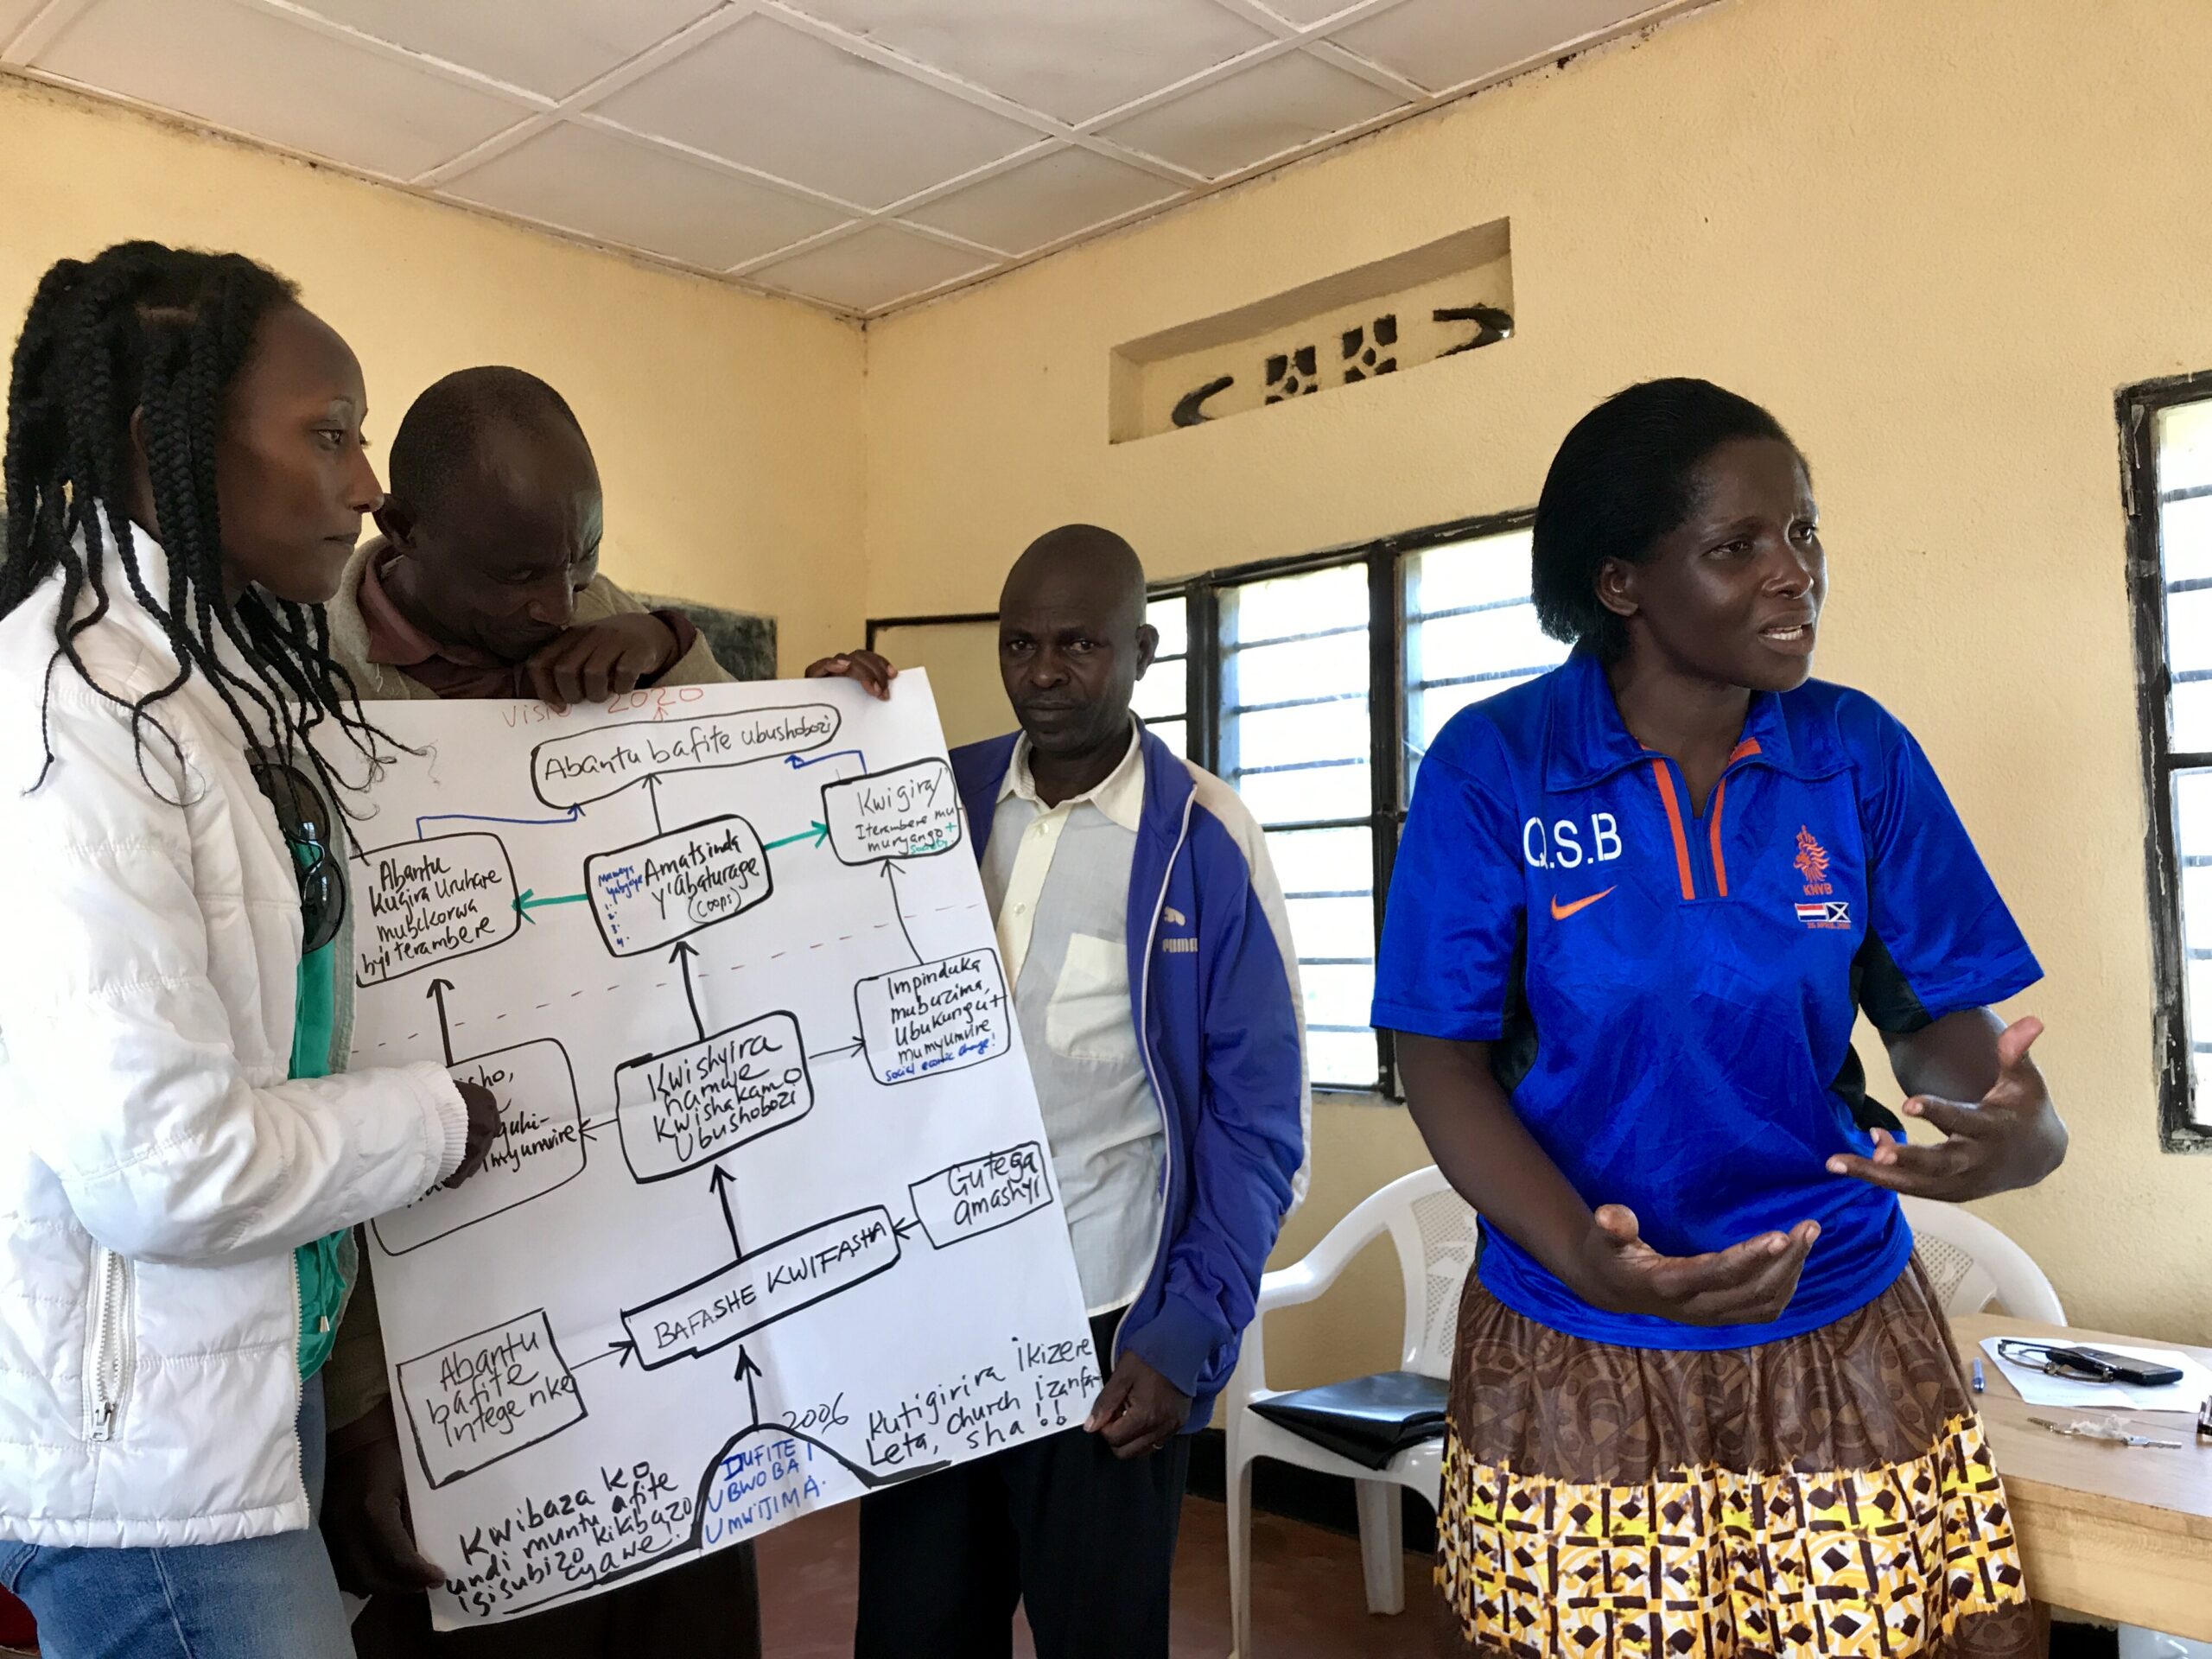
[[1827, 1494]]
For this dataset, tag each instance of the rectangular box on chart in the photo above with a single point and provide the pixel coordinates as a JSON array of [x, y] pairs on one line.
[[587, 766], [485, 1397], [655, 892], [540, 1145], [935, 1016], [678, 1109], [909, 811], [430, 901], [981, 1195], [765, 1285]]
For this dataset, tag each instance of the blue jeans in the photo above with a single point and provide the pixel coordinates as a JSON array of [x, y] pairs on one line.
[[257, 1598]]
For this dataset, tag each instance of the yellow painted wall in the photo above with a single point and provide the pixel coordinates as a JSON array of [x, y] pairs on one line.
[[727, 428], [1934, 237]]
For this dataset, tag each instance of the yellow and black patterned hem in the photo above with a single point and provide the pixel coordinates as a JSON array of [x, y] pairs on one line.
[[1897, 1560]]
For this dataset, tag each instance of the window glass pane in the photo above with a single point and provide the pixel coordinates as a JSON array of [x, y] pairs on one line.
[[2189, 630], [1441, 579], [2185, 539], [2185, 446], [2192, 717], [1172, 617], [1284, 606], [1314, 731], [1328, 879], [1307, 795], [1162, 693], [1175, 733], [1330, 665], [1294, 735], [1316, 861], [1471, 632], [1480, 642], [2198, 972], [1426, 711], [2192, 799], [1337, 993], [2185, 550], [1334, 927], [2184, 439], [1342, 1059]]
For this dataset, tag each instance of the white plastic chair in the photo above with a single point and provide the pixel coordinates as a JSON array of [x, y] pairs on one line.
[[1434, 1231], [1972, 1264]]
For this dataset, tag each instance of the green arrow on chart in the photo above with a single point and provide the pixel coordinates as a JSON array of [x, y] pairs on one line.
[[528, 902], [816, 832]]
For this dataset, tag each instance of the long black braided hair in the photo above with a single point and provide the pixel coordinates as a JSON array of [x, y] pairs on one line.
[[163, 332]]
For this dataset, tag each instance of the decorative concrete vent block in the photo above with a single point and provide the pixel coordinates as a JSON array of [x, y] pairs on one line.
[[1424, 306]]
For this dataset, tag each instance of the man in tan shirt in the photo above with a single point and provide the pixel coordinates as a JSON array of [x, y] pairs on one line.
[[485, 583]]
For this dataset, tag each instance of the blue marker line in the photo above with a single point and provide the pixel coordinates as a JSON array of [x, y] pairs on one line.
[[795, 762], [569, 816]]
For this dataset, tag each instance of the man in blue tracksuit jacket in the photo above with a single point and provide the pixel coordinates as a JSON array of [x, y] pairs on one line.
[[1144, 935]]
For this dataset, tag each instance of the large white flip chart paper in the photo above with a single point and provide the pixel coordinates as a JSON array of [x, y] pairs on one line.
[[772, 1222]]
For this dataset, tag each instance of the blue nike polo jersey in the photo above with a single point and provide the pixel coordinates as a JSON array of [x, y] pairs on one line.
[[1669, 985]]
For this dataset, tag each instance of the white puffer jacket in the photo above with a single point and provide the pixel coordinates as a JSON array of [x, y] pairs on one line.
[[156, 1169]]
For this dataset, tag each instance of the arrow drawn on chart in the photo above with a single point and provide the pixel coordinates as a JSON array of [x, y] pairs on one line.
[[571, 816], [796, 762], [626, 1348], [438, 989], [528, 902], [683, 953], [816, 832], [653, 789], [905, 1228], [746, 1371], [890, 874], [857, 1045], [721, 1183], [714, 1474]]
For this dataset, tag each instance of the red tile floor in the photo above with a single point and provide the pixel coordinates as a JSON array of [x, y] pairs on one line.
[[1307, 1599]]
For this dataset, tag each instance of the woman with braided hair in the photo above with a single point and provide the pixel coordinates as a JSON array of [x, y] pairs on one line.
[[179, 1174]]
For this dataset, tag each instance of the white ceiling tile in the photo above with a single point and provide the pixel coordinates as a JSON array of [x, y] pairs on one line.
[[1445, 43], [1041, 201], [277, 80], [14, 14], [772, 98], [621, 190], [870, 269], [1307, 13], [1276, 106], [551, 46], [844, 98], [1071, 59]]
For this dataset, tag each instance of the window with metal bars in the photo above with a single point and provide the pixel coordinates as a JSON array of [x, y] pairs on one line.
[[2166, 440], [1162, 697], [1326, 678], [1313, 686]]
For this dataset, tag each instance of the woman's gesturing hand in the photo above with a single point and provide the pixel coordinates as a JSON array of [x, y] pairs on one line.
[[1749, 1283]]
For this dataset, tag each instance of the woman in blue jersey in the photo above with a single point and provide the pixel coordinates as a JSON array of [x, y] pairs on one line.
[[1703, 1400]]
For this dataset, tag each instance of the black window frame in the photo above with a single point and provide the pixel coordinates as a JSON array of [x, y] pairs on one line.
[[1384, 559], [2138, 408]]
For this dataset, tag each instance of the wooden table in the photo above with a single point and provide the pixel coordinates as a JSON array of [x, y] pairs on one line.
[[2117, 1532]]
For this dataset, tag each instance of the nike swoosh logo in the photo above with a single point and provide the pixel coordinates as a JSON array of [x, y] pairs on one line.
[[1560, 912]]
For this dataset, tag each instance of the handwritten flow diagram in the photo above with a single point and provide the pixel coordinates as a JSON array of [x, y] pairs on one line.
[[736, 932]]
